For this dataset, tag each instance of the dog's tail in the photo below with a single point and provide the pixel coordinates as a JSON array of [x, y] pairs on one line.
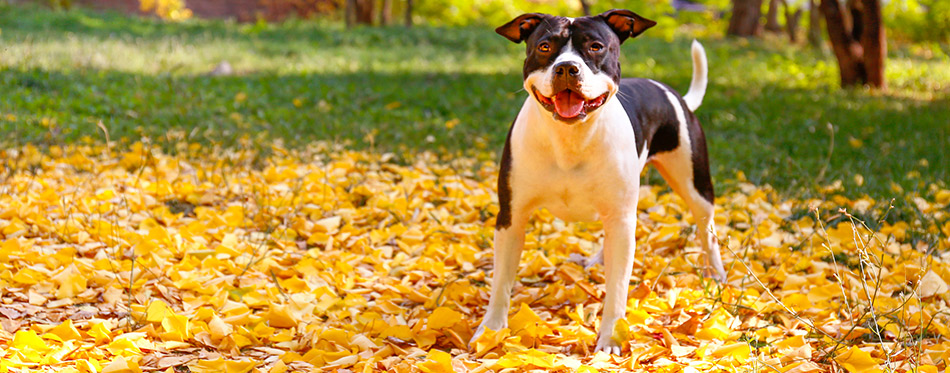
[[697, 88]]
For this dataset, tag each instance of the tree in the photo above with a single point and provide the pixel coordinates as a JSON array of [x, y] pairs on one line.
[[359, 12], [792, 16], [349, 13], [814, 23], [858, 40], [874, 41], [745, 18], [408, 13], [386, 13], [771, 18], [585, 7], [364, 11]]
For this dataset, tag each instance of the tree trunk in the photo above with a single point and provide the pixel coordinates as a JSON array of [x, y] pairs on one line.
[[408, 13], [386, 13], [814, 23], [745, 18], [585, 6], [855, 19], [771, 18], [364, 12], [848, 51], [349, 13], [791, 22], [860, 45], [875, 43]]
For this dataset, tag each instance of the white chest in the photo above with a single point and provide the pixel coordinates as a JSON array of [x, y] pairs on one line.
[[579, 173], [575, 195]]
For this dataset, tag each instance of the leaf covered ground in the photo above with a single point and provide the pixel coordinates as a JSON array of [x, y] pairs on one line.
[[334, 260]]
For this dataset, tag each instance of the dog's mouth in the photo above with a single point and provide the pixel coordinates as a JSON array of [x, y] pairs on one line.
[[569, 105]]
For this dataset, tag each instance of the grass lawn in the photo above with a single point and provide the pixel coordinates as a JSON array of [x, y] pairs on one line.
[[772, 112]]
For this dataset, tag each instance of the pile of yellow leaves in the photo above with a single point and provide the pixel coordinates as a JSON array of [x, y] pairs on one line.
[[331, 260]]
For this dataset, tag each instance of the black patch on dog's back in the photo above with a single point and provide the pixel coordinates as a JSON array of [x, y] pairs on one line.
[[665, 139], [650, 113], [654, 123]]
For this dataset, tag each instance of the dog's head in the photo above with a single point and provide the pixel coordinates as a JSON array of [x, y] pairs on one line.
[[572, 64]]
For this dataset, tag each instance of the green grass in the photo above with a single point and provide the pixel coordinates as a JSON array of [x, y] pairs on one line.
[[767, 111]]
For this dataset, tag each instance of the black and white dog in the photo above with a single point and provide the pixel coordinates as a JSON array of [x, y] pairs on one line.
[[579, 144]]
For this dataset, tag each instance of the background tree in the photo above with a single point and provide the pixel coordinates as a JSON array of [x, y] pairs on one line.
[[747, 14], [359, 12], [386, 12], [771, 18], [793, 14], [585, 7], [814, 23], [364, 11], [745, 18], [858, 40]]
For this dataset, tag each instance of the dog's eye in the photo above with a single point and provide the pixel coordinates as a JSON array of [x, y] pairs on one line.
[[544, 47], [596, 47]]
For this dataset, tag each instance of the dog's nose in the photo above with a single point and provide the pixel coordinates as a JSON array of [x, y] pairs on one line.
[[567, 68]]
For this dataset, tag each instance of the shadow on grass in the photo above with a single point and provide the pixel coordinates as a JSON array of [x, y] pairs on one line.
[[775, 135]]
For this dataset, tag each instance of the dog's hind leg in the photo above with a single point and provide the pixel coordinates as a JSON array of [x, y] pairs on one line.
[[686, 170]]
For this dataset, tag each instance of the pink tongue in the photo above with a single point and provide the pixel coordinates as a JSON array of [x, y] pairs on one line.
[[568, 103]]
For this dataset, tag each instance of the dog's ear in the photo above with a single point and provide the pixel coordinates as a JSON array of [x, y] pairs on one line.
[[521, 27], [625, 23]]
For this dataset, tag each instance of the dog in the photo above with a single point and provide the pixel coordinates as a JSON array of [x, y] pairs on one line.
[[580, 142]]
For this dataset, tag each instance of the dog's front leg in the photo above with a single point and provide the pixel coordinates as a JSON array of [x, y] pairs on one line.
[[508, 244], [619, 251]]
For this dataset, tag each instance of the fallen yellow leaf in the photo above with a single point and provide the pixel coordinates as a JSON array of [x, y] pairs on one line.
[[437, 362], [856, 360], [66, 331], [443, 317], [121, 365]]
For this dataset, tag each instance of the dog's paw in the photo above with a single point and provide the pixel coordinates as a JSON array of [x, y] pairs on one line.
[[478, 334], [486, 324], [607, 344], [595, 259], [718, 276], [578, 259]]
